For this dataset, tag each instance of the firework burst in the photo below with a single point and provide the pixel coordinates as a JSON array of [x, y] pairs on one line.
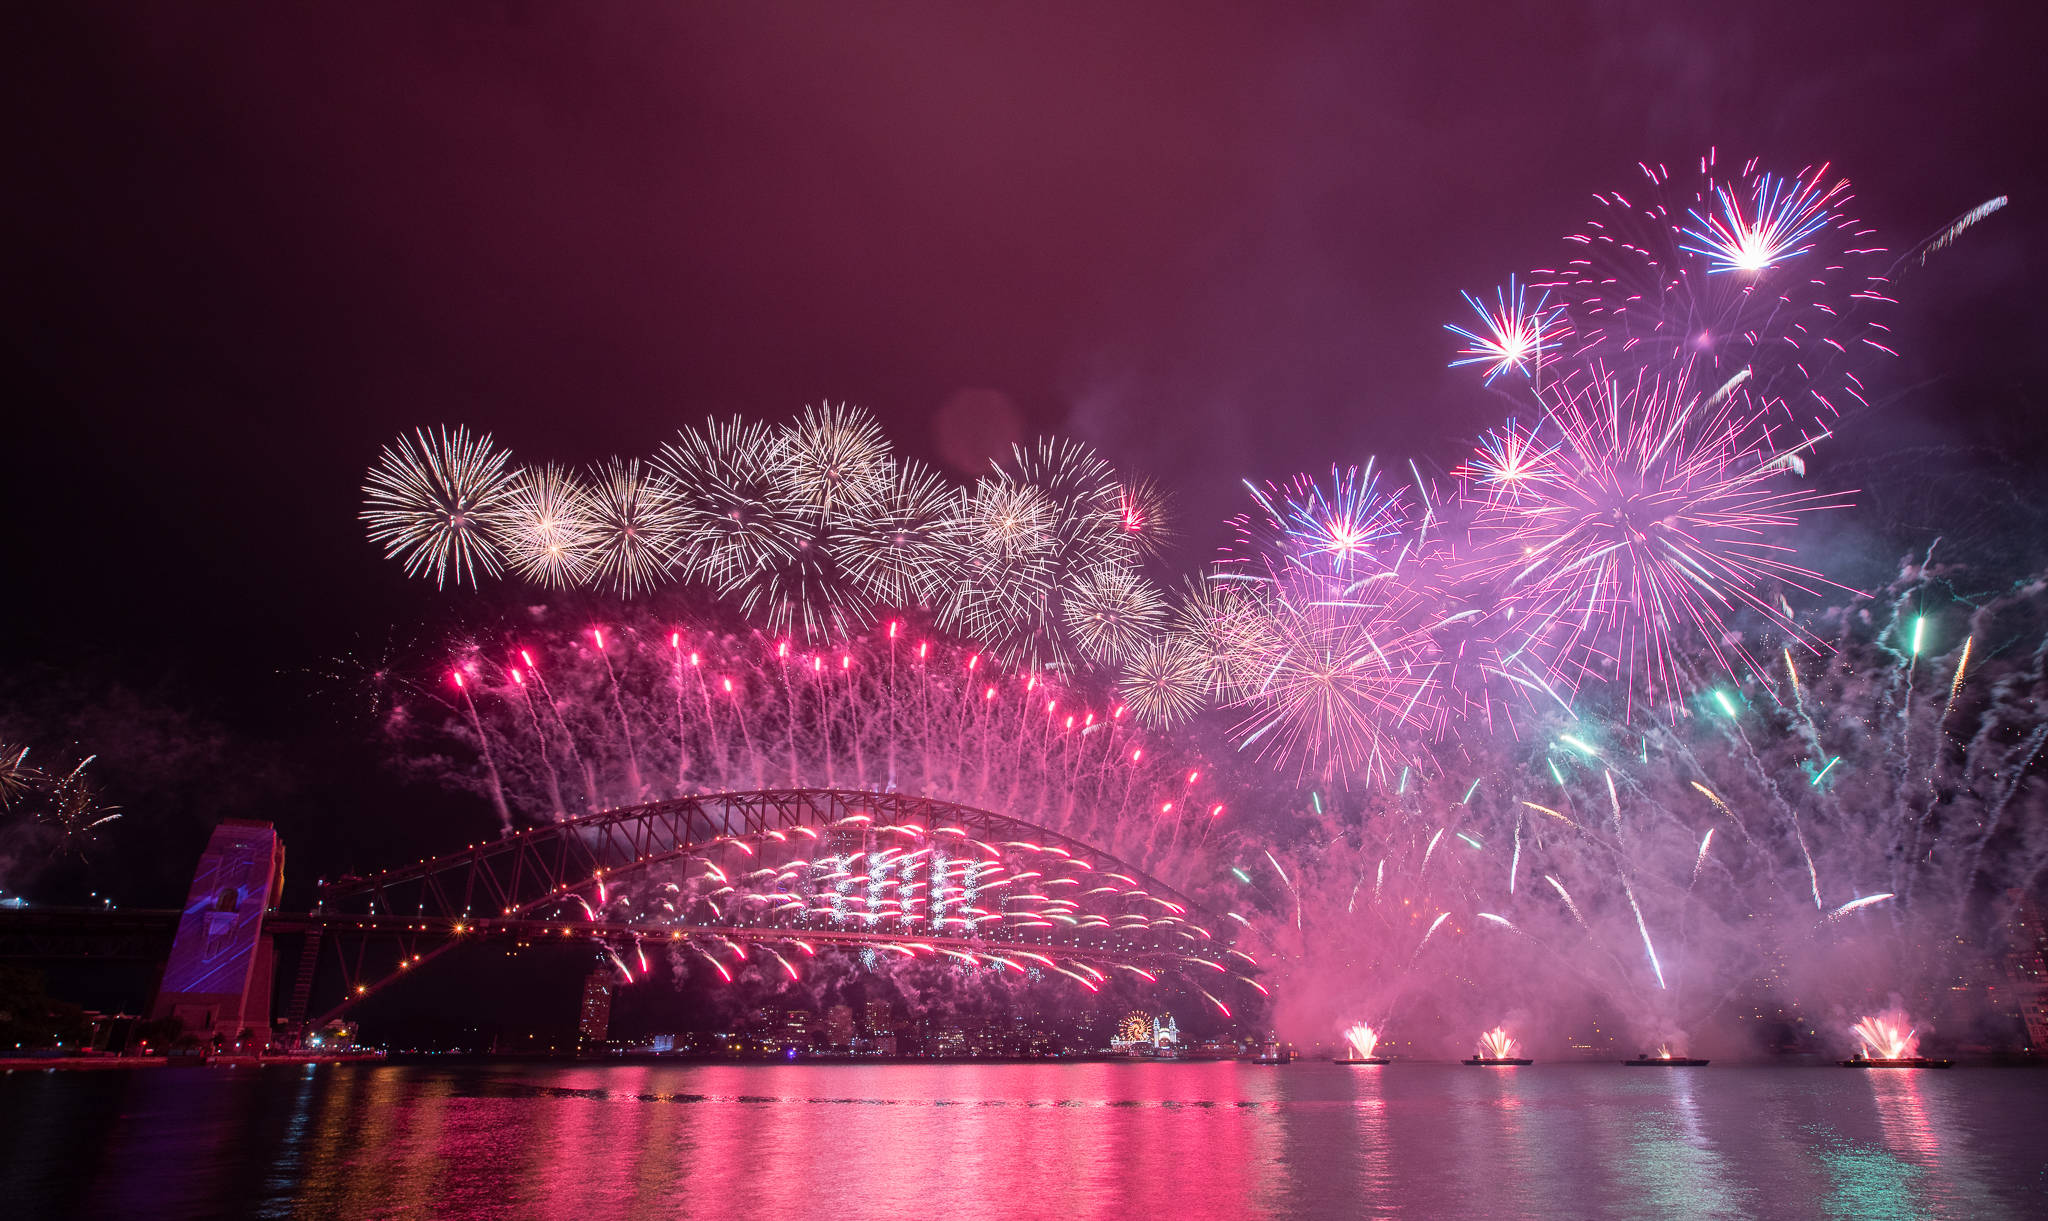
[[1166, 683], [1496, 1044], [1778, 219], [1033, 531], [1737, 270], [437, 501], [17, 776], [1351, 527], [806, 589], [735, 513], [897, 545], [1363, 1040], [1514, 334], [1339, 683], [1512, 459], [1112, 613], [1145, 515], [549, 528], [1659, 516], [636, 527], [832, 457]]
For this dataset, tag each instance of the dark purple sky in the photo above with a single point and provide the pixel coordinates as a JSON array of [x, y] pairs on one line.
[[247, 243]]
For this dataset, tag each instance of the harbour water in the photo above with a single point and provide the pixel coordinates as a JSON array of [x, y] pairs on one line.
[[1136, 1140]]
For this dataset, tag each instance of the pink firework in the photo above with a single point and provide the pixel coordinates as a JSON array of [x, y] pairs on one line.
[[1708, 273], [1354, 526], [1339, 678], [1660, 513]]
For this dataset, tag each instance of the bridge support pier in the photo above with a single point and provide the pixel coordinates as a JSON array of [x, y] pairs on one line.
[[218, 977]]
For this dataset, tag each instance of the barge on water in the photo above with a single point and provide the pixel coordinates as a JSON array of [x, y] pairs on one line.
[[1859, 1060]]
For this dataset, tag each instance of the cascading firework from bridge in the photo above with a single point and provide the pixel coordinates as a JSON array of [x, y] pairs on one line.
[[569, 722], [562, 725]]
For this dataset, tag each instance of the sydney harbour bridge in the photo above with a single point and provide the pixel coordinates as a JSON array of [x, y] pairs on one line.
[[727, 877]]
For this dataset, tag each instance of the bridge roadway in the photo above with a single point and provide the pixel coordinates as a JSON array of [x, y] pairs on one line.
[[105, 934]]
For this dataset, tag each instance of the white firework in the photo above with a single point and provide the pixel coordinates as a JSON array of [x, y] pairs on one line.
[[437, 502], [1166, 682], [1112, 612], [1033, 529], [1337, 686], [1004, 548], [1145, 516], [735, 513], [549, 530], [832, 457], [636, 527], [897, 545], [1224, 621]]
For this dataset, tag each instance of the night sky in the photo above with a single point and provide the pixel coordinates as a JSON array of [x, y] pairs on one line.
[[249, 243]]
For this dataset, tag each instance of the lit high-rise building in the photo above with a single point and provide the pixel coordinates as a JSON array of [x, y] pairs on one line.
[[839, 1027], [594, 1020], [2026, 970], [874, 1018]]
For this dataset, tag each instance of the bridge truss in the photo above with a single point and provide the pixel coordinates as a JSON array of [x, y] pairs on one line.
[[995, 891]]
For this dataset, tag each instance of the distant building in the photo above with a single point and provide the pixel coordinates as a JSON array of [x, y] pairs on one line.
[[783, 1030], [874, 1019], [839, 1027], [594, 1020], [2026, 971]]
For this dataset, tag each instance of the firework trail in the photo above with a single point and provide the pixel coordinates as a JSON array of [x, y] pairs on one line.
[[1945, 237], [483, 741]]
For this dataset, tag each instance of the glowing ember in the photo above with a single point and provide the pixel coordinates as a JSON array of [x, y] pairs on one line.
[[1363, 1039], [1887, 1038], [1496, 1045]]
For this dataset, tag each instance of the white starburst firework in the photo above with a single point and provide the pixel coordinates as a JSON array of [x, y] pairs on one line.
[[437, 500], [548, 528], [635, 527]]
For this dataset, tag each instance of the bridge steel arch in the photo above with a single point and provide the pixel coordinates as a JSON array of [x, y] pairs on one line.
[[520, 884]]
